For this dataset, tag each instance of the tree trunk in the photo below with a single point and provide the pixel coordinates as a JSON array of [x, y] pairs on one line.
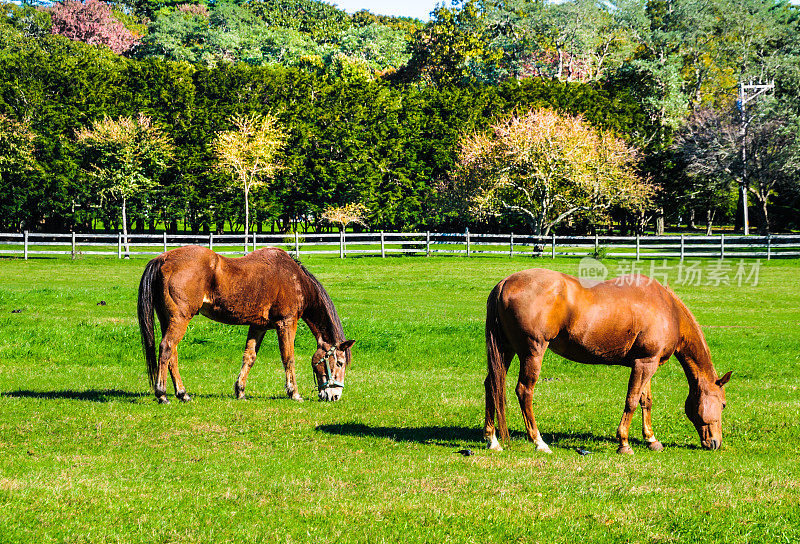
[[660, 222], [691, 219], [763, 226], [246, 218], [125, 227], [709, 220]]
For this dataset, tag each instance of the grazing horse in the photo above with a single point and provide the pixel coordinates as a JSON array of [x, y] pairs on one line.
[[266, 289], [630, 321]]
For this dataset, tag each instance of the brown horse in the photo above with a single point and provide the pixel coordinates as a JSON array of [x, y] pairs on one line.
[[266, 289], [631, 321]]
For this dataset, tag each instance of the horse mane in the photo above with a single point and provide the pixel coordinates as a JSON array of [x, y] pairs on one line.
[[331, 321], [695, 347]]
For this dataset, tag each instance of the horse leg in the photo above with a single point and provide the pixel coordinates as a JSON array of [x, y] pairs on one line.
[[254, 337], [168, 359], [647, 425], [530, 365], [642, 371], [286, 334], [489, 431]]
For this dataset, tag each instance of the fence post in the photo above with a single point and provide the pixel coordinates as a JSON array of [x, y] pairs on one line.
[[165, 241], [721, 246], [383, 245], [254, 241], [119, 245], [553, 247], [769, 246], [246, 243], [637, 246], [296, 244], [25, 244], [511, 245], [341, 244], [466, 235], [428, 243], [682, 250], [211, 241], [596, 244], [73, 245]]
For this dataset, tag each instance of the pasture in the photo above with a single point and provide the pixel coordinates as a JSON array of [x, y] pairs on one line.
[[87, 455]]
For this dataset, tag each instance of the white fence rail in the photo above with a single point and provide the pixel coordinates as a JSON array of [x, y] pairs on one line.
[[384, 244]]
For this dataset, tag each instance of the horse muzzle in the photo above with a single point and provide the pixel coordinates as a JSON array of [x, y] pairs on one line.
[[330, 394], [711, 444]]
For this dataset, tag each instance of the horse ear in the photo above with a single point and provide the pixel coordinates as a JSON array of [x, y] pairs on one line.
[[346, 344], [723, 380]]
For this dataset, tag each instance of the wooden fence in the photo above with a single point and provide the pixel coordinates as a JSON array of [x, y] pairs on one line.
[[385, 244]]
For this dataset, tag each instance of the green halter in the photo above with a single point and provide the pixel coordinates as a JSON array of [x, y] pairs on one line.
[[328, 378]]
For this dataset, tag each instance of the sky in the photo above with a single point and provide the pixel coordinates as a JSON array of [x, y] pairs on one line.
[[420, 9]]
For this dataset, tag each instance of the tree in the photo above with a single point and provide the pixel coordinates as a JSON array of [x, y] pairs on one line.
[[353, 213], [249, 153], [127, 156], [18, 171], [547, 167], [93, 22], [710, 149]]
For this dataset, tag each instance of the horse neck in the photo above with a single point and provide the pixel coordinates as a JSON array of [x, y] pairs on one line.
[[319, 314], [693, 353]]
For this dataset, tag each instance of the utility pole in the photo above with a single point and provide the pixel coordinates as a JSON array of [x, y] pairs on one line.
[[747, 92]]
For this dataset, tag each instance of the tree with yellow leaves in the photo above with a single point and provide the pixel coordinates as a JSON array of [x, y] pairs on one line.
[[249, 152], [547, 167], [127, 154]]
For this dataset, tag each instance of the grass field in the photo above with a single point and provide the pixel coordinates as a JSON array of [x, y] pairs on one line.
[[86, 455]]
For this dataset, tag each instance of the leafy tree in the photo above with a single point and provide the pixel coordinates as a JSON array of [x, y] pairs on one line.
[[127, 156], [93, 22], [19, 170], [349, 214], [547, 167], [249, 152]]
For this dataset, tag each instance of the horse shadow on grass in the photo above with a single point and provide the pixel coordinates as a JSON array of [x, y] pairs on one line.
[[455, 436], [118, 395], [90, 395]]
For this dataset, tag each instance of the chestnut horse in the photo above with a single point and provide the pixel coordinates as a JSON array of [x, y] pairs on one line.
[[630, 321], [266, 289]]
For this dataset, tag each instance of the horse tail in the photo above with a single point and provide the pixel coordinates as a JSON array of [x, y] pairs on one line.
[[145, 309], [496, 349]]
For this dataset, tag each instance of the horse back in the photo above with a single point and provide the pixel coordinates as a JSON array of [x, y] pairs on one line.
[[613, 322], [259, 289]]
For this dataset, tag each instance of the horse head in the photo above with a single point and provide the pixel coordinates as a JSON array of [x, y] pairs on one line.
[[704, 407], [329, 364]]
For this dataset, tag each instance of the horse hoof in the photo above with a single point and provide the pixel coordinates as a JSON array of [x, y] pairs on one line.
[[544, 448], [297, 398], [184, 398], [625, 450], [656, 446], [241, 396], [162, 399], [493, 444]]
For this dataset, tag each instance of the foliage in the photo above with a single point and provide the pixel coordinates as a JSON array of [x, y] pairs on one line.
[[127, 157], [93, 22], [249, 152], [349, 214], [547, 167]]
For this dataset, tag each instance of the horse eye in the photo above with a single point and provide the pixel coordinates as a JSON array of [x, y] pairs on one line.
[[724, 405]]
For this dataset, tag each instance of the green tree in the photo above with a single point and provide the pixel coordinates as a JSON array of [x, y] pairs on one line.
[[127, 156]]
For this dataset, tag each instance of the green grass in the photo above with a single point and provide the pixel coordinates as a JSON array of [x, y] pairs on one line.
[[86, 455]]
